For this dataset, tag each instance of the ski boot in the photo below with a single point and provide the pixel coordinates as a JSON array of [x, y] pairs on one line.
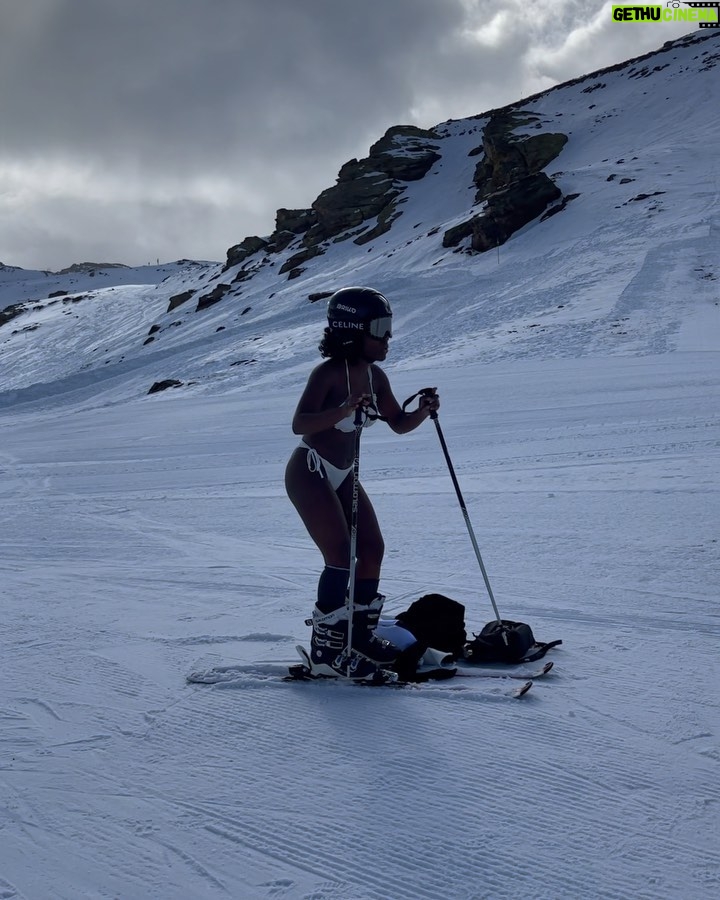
[[329, 653], [364, 640]]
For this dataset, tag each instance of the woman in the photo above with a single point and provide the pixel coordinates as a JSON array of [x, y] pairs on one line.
[[318, 478]]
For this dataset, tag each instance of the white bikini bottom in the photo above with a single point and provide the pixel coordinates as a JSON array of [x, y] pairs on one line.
[[317, 463]]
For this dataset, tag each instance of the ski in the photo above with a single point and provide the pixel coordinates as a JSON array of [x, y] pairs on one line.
[[301, 673], [522, 690], [238, 676], [471, 672], [275, 674]]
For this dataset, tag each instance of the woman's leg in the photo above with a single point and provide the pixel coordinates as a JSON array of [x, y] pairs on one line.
[[370, 544], [322, 514], [320, 510]]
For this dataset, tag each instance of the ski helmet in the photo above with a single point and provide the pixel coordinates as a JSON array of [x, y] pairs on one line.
[[354, 310]]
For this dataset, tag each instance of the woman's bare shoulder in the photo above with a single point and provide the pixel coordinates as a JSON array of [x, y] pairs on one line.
[[327, 371], [379, 375]]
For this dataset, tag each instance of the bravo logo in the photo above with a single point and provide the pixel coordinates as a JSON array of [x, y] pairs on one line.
[[707, 15]]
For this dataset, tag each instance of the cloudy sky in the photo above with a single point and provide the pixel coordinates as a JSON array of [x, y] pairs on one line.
[[132, 130]]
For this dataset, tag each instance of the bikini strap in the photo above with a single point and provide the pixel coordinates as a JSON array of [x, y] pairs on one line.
[[368, 415]]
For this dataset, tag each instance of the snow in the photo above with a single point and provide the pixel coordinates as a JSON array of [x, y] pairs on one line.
[[146, 537]]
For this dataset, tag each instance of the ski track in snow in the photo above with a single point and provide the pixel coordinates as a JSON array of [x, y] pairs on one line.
[[123, 781]]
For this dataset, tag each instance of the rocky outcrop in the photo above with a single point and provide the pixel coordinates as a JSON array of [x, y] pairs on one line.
[[240, 252], [511, 208], [164, 385], [367, 190], [508, 157], [296, 221], [215, 296], [179, 299], [509, 180], [11, 312], [297, 259]]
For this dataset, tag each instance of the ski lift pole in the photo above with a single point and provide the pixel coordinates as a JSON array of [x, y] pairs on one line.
[[463, 507]]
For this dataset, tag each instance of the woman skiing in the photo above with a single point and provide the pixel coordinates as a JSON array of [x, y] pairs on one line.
[[319, 483]]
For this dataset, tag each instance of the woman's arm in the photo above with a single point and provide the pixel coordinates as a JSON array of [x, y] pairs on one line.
[[389, 408]]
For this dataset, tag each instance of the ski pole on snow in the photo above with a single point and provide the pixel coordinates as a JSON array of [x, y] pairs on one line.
[[463, 507], [358, 422]]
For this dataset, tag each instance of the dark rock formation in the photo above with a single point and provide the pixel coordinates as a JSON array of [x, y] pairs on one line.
[[296, 221], [511, 208], [215, 296], [164, 385], [509, 181], [179, 299], [370, 187], [245, 248], [366, 189], [11, 312]]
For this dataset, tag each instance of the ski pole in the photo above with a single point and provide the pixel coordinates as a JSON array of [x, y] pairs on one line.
[[358, 422], [463, 507]]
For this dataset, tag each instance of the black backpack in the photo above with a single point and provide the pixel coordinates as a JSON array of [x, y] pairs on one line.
[[438, 622], [505, 642]]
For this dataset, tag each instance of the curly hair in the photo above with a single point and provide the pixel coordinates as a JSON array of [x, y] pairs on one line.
[[341, 346]]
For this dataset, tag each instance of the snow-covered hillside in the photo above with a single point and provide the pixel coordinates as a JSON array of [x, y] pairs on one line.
[[602, 276], [145, 537]]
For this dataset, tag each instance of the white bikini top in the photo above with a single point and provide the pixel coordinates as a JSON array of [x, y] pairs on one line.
[[348, 424]]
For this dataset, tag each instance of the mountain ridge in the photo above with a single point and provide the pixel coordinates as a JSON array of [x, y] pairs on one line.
[[635, 201]]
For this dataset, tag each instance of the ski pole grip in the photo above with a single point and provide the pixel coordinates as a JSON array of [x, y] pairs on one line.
[[423, 392], [426, 392]]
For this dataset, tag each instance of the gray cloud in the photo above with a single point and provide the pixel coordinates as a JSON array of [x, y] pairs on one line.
[[188, 122]]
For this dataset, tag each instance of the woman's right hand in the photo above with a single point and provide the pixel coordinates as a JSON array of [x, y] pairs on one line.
[[354, 401]]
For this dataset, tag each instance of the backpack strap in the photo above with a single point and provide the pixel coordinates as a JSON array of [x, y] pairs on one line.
[[539, 650]]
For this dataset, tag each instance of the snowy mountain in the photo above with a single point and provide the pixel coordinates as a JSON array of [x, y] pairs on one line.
[[148, 536], [637, 179]]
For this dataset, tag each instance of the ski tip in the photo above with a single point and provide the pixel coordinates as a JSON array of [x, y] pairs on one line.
[[522, 690], [548, 665]]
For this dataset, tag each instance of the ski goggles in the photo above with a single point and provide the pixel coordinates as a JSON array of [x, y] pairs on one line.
[[380, 328]]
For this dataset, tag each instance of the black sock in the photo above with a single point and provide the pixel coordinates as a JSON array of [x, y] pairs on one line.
[[366, 590], [331, 588]]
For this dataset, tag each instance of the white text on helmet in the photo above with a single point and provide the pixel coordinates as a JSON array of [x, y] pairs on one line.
[[358, 326], [350, 309]]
